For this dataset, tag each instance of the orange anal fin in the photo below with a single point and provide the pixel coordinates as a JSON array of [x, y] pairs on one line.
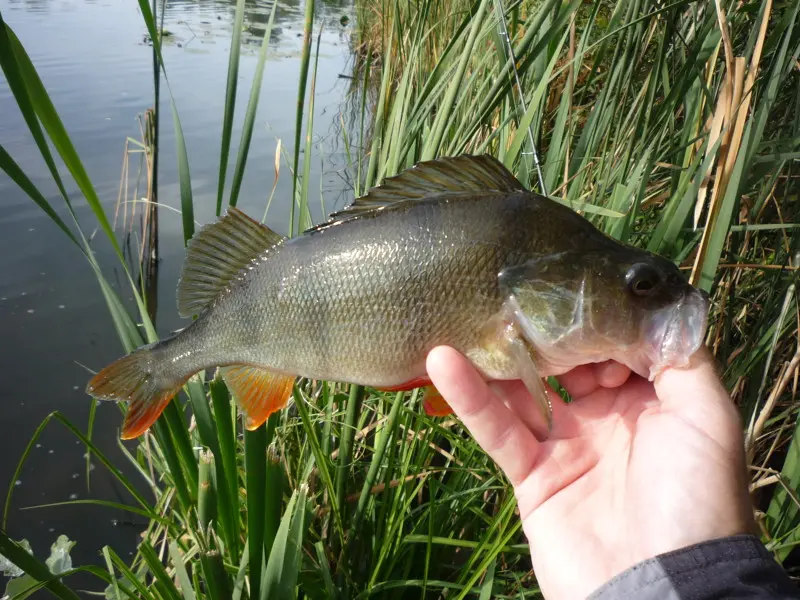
[[434, 404], [142, 413], [407, 386], [258, 392]]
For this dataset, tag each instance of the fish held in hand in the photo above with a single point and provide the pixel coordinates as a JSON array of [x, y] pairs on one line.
[[453, 251]]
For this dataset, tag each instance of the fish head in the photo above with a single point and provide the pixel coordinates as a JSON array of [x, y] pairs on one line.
[[621, 304]]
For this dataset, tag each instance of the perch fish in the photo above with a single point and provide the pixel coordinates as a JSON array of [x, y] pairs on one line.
[[452, 251]]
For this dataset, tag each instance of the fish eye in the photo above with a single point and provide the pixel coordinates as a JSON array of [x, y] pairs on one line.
[[642, 279]]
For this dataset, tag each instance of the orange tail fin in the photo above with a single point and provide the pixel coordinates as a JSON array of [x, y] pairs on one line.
[[131, 379]]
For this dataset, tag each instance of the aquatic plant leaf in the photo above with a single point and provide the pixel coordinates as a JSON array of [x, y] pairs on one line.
[[59, 560], [38, 571], [184, 175], [8, 568]]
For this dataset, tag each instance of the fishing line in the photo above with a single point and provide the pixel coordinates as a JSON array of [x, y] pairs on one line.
[[522, 109]]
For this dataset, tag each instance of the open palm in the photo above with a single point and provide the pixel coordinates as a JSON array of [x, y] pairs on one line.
[[631, 469]]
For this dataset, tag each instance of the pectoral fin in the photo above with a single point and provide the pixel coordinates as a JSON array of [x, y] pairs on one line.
[[526, 370], [258, 392], [502, 337]]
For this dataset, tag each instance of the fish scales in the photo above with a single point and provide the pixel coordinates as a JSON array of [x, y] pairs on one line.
[[364, 302]]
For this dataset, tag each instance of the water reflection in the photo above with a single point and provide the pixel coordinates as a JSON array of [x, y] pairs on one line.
[[95, 61], [190, 23]]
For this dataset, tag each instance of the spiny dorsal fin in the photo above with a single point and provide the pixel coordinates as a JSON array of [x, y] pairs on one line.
[[465, 175], [216, 255]]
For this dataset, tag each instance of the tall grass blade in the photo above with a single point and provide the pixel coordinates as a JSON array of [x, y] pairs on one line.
[[20, 557], [16, 174], [524, 130], [129, 576], [783, 513], [230, 98], [321, 460], [284, 560], [444, 114], [274, 481], [301, 100], [89, 446], [201, 410], [180, 568], [304, 212], [250, 114], [346, 445], [36, 106], [163, 580], [508, 54], [161, 429], [378, 120], [488, 583], [206, 497], [216, 577], [386, 436], [226, 472], [184, 175], [255, 457], [179, 433], [241, 574]]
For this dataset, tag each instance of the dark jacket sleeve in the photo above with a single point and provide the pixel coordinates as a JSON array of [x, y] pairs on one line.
[[734, 567]]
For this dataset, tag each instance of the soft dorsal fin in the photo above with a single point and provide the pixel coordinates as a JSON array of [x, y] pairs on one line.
[[465, 175], [216, 255]]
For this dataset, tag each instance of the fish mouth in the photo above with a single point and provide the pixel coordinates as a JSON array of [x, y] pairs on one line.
[[677, 332]]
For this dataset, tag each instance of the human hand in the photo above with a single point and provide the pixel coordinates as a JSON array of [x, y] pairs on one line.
[[630, 470]]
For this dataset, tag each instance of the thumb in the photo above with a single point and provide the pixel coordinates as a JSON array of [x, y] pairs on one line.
[[697, 394], [693, 387]]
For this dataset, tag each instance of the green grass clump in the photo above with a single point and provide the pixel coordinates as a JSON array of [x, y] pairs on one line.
[[673, 126]]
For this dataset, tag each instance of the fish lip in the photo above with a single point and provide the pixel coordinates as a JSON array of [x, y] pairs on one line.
[[681, 332]]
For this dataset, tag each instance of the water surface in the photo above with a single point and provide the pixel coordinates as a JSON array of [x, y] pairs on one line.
[[95, 60]]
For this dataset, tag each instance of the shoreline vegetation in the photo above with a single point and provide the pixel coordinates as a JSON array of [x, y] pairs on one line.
[[673, 126]]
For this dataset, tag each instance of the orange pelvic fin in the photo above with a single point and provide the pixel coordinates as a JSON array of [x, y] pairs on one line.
[[432, 400], [130, 379], [408, 385], [258, 392], [434, 404]]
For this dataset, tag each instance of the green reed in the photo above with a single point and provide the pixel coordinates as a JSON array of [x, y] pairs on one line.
[[672, 126]]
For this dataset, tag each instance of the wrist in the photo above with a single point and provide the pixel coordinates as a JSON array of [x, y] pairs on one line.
[[724, 567]]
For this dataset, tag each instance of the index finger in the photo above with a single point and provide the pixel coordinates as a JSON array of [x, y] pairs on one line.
[[585, 379], [498, 430]]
